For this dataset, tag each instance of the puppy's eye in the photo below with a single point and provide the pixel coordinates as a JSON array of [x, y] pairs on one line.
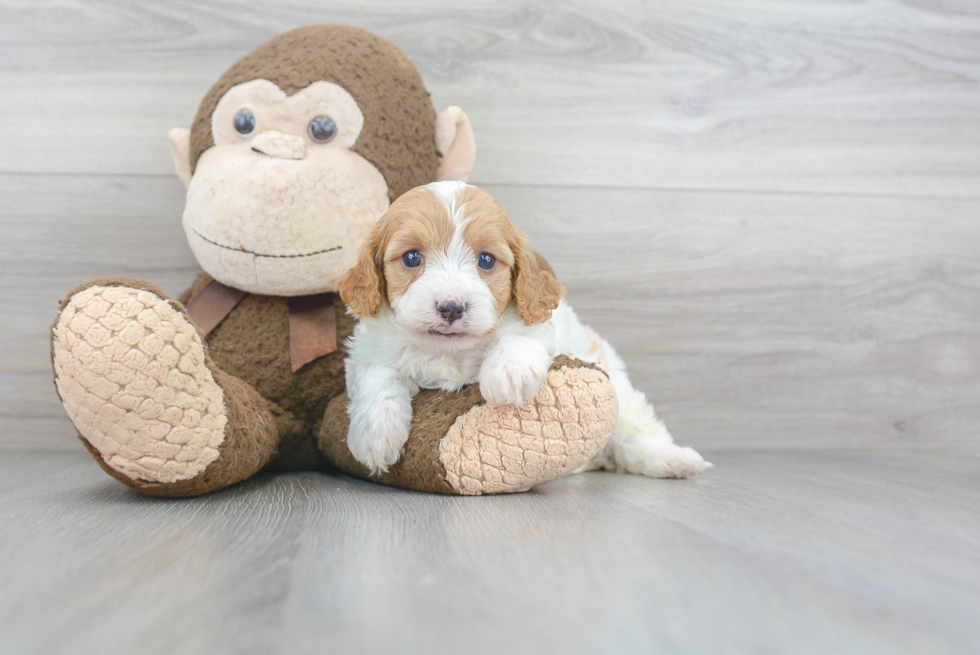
[[244, 122], [486, 261], [322, 129], [412, 259]]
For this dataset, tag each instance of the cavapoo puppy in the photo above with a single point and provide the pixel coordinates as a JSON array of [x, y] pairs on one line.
[[448, 293]]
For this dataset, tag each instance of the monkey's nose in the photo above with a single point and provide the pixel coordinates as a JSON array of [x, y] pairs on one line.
[[277, 144], [451, 311]]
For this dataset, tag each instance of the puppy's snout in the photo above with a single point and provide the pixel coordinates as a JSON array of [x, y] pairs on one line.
[[451, 311]]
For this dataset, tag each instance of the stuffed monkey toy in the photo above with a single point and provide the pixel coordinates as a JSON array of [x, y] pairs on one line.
[[294, 153]]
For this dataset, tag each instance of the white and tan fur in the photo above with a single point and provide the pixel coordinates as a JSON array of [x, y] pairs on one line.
[[447, 322]]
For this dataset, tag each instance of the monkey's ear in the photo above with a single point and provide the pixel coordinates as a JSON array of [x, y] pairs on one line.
[[455, 142], [180, 148]]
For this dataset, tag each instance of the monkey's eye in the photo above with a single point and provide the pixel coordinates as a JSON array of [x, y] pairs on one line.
[[244, 122], [412, 259], [322, 129], [486, 261]]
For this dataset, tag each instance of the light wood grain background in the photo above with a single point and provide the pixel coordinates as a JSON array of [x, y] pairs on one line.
[[771, 208]]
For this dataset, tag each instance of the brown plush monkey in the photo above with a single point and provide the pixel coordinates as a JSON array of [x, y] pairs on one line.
[[294, 153]]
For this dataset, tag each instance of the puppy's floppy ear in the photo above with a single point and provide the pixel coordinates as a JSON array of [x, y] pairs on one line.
[[536, 291], [362, 287]]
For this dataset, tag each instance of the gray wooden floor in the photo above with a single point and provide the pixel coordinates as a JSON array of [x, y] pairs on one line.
[[830, 552], [772, 209]]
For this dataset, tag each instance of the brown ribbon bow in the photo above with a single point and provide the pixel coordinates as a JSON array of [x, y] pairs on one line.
[[312, 320]]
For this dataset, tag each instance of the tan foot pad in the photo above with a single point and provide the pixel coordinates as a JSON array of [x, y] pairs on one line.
[[493, 450], [131, 372]]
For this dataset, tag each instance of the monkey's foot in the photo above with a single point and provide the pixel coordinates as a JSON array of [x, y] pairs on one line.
[[131, 372], [506, 449], [459, 445]]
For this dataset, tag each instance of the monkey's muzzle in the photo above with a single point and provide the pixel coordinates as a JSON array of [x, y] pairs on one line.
[[277, 144]]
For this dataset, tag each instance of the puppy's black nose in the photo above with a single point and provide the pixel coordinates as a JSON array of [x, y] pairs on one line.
[[451, 311]]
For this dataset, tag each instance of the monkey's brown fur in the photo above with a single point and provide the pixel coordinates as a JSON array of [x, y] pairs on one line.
[[398, 137], [249, 356], [249, 353], [278, 419]]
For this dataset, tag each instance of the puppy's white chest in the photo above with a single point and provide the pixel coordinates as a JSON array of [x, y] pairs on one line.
[[450, 372]]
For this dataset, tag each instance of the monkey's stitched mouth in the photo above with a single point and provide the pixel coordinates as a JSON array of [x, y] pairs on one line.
[[259, 254]]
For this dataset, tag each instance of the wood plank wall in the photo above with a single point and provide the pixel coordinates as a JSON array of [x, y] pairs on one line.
[[771, 208]]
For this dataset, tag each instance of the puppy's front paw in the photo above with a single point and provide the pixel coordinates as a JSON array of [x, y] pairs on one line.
[[508, 379], [378, 434]]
